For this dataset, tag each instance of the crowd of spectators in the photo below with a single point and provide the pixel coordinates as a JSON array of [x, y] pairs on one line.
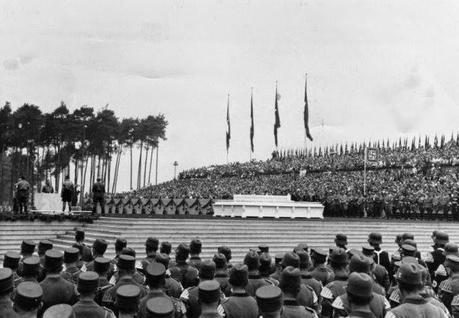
[[303, 282]]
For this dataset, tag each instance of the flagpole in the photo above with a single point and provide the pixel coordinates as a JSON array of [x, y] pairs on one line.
[[277, 148], [251, 119], [228, 133]]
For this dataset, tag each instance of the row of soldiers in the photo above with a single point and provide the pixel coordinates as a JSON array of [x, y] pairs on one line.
[[340, 282]]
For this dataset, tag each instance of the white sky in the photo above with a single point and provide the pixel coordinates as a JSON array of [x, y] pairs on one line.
[[376, 69]]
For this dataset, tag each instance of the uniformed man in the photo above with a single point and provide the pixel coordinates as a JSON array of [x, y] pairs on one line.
[[67, 193], [71, 271], [445, 290], [379, 272], [86, 307], [27, 299], [43, 246], [6, 288], [225, 250], [160, 307], [27, 250], [155, 275], [266, 268], [30, 270], [341, 241], [409, 278], [56, 290], [437, 257], [263, 248], [151, 247], [11, 261], [290, 284], [381, 257], [101, 267], [99, 247], [252, 260], [171, 287], [195, 250], [362, 264], [59, 311], [239, 304], [441, 273], [86, 255], [359, 294], [22, 194], [120, 244], [181, 268], [209, 299], [319, 270], [269, 301], [306, 277], [165, 248], [126, 270], [127, 301], [277, 266], [221, 273], [98, 196]]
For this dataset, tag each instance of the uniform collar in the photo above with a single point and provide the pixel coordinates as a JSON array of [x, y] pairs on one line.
[[239, 293], [290, 302], [414, 299]]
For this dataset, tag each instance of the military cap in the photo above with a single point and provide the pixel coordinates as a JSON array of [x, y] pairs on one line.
[[360, 284], [43, 246], [239, 275], [160, 307], [368, 250], [127, 298], [338, 256], [290, 259], [452, 262], [88, 282], [190, 279], [101, 265], [31, 266], [305, 259], [165, 248], [269, 299], [27, 247], [319, 254], [278, 258], [209, 291], [301, 246], [207, 270], [128, 251], [59, 311], [162, 258], [79, 235], [341, 239], [398, 238], [219, 260], [225, 250], [126, 262], [100, 246], [407, 236], [71, 255], [11, 260], [28, 296], [252, 260], [6, 280], [434, 234], [441, 238], [360, 263], [152, 243], [263, 248], [120, 243], [450, 248], [53, 259], [408, 249], [182, 251], [410, 274], [156, 270], [265, 263], [195, 246], [290, 278], [375, 238], [407, 260]]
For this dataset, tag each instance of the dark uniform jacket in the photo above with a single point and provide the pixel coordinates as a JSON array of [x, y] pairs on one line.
[[322, 274], [104, 285], [416, 306], [381, 276], [190, 297], [71, 274], [57, 290], [6, 309], [331, 291], [89, 309], [308, 280], [172, 287], [179, 307], [379, 306], [179, 271], [240, 305], [109, 298], [255, 282], [195, 261], [221, 276], [292, 309]]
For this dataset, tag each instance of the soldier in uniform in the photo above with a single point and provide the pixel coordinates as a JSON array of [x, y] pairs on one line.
[[252, 260], [120, 244], [71, 271], [27, 300], [127, 301], [99, 247], [306, 277], [67, 193], [98, 196], [409, 278], [195, 250], [269, 301], [165, 248], [126, 270], [159, 307], [437, 257], [319, 270], [341, 241], [155, 275], [221, 273], [380, 273], [22, 194], [209, 298], [359, 294], [441, 273], [86, 255], [86, 307], [225, 250], [277, 266], [290, 284], [27, 250], [266, 268], [445, 290], [171, 287], [56, 290], [381, 257], [30, 270], [11, 261], [6, 288], [239, 304], [181, 268], [151, 247]]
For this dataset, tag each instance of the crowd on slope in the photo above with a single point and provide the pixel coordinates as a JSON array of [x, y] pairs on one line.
[[303, 282]]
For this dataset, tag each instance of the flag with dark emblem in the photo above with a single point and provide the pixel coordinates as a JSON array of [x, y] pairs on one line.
[[228, 128], [276, 117], [252, 127], [306, 111]]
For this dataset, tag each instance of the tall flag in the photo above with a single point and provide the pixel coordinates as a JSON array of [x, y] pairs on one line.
[[228, 128], [306, 110], [252, 127], [276, 117]]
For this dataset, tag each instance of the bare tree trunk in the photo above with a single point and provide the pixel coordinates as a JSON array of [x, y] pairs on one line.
[[130, 149], [75, 177], [151, 162], [139, 172], [109, 164], [98, 167], [145, 166]]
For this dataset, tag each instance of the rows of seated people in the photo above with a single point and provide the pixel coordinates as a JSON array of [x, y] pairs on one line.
[[303, 282]]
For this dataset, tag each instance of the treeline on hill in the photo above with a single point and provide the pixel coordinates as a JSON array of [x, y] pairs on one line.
[[44, 146]]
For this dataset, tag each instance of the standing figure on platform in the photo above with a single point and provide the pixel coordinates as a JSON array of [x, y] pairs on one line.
[[67, 193], [22, 194], [47, 188], [98, 196]]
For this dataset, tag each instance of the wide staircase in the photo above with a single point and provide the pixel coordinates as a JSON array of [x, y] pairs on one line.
[[243, 234]]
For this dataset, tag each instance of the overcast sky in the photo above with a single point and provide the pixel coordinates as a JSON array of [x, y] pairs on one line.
[[376, 69]]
